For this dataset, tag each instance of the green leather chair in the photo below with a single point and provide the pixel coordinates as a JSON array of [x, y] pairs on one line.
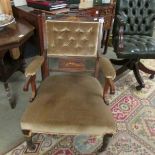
[[132, 36]]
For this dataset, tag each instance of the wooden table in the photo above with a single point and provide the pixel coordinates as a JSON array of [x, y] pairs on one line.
[[12, 38]]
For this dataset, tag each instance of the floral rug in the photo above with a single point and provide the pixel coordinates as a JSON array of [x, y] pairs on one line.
[[134, 112]]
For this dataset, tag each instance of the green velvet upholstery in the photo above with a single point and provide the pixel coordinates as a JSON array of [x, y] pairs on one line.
[[69, 104]]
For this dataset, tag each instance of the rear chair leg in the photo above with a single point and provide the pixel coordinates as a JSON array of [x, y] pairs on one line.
[[28, 136], [106, 139]]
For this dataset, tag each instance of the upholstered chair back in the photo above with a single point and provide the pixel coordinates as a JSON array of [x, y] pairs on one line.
[[67, 38], [138, 15]]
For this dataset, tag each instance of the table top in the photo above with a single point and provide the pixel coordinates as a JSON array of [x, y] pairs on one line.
[[15, 34]]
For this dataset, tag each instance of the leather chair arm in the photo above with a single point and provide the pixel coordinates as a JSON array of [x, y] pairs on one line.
[[33, 67], [121, 21]]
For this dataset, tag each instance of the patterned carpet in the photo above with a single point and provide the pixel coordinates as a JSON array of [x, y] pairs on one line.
[[134, 112]]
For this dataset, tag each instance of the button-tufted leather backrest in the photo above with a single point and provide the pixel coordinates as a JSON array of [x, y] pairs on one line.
[[68, 38], [138, 14]]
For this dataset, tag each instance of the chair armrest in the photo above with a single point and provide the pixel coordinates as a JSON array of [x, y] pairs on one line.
[[30, 72], [121, 21], [107, 68], [110, 74], [33, 67]]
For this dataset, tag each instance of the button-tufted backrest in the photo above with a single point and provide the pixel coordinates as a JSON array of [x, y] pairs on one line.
[[138, 14], [72, 38]]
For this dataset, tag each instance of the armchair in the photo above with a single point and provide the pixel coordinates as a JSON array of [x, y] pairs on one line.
[[77, 97], [132, 36]]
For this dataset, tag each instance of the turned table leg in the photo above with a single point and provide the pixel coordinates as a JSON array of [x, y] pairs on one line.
[[105, 142], [10, 97]]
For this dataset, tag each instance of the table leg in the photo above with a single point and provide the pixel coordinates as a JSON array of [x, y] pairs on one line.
[[103, 37], [106, 42], [10, 97]]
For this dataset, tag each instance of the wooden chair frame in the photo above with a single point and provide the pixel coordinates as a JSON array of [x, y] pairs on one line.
[[43, 61]]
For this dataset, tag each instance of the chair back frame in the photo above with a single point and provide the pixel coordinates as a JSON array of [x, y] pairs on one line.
[[57, 32]]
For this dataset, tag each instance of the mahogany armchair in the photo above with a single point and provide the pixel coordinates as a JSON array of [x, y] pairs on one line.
[[77, 97], [132, 36]]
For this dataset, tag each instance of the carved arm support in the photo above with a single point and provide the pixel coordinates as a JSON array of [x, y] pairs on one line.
[[121, 23], [30, 74], [110, 74]]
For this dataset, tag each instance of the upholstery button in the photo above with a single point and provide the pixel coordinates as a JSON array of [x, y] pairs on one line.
[[133, 11], [146, 4], [149, 12], [84, 38], [90, 30], [55, 29], [71, 38], [60, 38], [146, 28], [79, 30], [144, 21], [141, 12], [139, 4], [125, 11], [136, 20], [131, 27], [130, 4]]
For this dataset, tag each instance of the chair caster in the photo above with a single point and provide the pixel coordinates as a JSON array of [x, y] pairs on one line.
[[151, 76], [140, 87]]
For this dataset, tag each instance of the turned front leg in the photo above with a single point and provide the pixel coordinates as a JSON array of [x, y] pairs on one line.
[[105, 142], [28, 137], [10, 97]]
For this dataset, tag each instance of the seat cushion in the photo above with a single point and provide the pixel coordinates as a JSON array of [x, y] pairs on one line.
[[136, 46], [69, 104]]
